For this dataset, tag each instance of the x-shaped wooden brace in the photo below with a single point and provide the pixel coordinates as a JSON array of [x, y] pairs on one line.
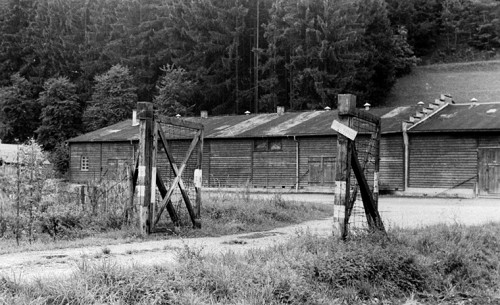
[[178, 177]]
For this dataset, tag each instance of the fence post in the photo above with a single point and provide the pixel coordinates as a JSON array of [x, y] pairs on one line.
[[199, 177], [82, 197], [144, 187], [154, 150], [346, 103]]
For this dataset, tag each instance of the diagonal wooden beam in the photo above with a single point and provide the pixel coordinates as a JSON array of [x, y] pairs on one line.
[[173, 165], [170, 207], [135, 173], [369, 148], [175, 169], [366, 195], [179, 178]]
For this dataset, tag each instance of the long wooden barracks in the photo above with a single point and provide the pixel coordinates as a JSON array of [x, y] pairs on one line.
[[443, 149]]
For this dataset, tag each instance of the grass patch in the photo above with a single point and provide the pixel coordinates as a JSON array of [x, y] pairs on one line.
[[222, 214], [436, 265], [463, 81]]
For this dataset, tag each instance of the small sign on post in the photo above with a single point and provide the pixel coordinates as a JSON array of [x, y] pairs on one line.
[[344, 130]]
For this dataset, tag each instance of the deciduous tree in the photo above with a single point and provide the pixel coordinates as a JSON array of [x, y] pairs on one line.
[[61, 113], [113, 99]]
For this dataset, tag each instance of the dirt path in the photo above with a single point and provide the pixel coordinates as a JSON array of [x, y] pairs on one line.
[[43, 265]]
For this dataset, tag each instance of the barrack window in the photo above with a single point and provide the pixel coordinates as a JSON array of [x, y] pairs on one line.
[[84, 163]]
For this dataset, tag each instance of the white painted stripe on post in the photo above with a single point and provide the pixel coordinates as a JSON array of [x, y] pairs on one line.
[[339, 192], [142, 171], [141, 191], [153, 185]]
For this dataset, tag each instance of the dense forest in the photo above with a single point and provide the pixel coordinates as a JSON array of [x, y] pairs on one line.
[[72, 66]]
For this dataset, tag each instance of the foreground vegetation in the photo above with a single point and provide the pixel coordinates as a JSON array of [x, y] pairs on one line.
[[436, 265], [222, 214]]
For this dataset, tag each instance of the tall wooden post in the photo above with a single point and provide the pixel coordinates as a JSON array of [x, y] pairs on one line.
[[346, 104], [154, 150], [376, 173], [199, 176], [144, 186]]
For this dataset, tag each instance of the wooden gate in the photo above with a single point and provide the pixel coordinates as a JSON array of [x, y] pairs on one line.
[[147, 178], [489, 171]]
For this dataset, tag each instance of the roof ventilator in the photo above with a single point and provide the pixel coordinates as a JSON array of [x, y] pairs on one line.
[[423, 112]]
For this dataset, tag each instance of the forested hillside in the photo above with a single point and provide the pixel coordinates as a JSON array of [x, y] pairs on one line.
[[70, 66]]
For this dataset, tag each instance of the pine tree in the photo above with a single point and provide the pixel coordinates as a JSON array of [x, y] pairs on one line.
[[15, 44], [313, 47]]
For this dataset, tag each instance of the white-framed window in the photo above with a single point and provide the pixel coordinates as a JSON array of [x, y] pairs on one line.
[[84, 163]]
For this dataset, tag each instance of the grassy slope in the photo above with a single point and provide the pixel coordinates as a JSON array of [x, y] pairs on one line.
[[462, 80]]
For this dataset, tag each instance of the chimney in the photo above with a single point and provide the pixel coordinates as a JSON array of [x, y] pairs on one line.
[[134, 118], [280, 110], [204, 114], [367, 106]]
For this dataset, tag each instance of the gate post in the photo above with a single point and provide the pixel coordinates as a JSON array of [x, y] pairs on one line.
[[144, 186], [346, 104]]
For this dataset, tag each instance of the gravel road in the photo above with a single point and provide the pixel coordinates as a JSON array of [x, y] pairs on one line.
[[396, 212]]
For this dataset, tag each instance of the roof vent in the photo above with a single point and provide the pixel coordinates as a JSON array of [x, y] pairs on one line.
[[280, 110], [177, 115], [134, 118], [367, 106], [328, 108], [204, 114], [420, 106], [247, 112], [448, 99], [473, 100]]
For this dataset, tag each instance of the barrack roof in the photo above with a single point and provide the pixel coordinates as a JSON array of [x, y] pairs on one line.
[[288, 124]]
